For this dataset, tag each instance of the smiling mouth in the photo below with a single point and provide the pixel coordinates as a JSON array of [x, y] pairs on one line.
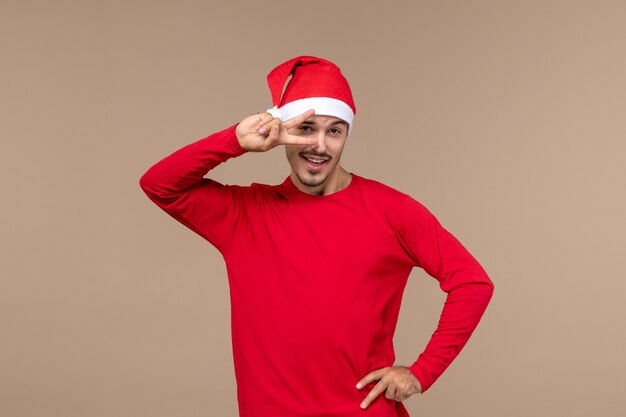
[[316, 160]]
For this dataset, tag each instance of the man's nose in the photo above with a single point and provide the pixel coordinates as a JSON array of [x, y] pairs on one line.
[[320, 145]]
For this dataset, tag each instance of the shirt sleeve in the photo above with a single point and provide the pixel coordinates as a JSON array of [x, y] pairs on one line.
[[177, 186], [466, 283]]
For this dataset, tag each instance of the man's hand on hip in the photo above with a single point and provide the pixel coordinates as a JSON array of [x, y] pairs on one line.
[[261, 132], [399, 382]]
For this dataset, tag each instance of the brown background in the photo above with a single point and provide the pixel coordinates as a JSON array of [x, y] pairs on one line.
[[506, 119]]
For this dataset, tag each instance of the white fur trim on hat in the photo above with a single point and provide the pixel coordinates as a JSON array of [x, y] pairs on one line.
[[275, 112], [322, 105]]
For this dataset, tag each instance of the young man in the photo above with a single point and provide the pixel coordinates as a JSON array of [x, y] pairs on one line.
[[317, 265]]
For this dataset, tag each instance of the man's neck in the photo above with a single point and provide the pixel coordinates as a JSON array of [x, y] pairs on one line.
[[335, 182]]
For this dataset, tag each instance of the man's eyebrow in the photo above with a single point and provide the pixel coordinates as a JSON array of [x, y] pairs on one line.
[[336, 122]]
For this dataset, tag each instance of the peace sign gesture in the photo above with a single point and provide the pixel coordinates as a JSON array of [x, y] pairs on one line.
[[261, 132]]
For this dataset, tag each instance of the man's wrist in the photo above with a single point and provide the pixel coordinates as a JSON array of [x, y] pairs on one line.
[[418, 376], [234, 141]]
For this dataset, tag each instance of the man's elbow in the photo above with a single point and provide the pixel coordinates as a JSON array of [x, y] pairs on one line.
[[155, 191], [484, 290], [146, 183], [490, 289], [487, 285]]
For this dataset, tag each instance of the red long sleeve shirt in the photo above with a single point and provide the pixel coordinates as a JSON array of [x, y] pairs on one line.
[[316, 282]]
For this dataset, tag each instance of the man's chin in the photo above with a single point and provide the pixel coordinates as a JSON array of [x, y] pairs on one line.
[[310, 180]]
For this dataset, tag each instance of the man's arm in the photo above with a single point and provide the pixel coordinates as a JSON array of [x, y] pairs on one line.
[[469, 291], [177, 185]]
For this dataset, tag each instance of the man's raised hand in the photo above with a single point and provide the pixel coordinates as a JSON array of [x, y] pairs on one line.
[[261, 132]]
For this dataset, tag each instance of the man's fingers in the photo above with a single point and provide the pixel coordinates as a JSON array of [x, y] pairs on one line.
[[263, 118], [378, 388], [397, 381], [390, 392], [372, 376], [277, 132], [375, 392], [287, 139], [266, 123], [273, 136], [299, 119]]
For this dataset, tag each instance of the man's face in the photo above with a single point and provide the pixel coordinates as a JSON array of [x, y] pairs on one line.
[[315, 166]]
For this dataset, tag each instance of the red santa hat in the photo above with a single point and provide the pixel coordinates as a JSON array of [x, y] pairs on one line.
[[315, 84]]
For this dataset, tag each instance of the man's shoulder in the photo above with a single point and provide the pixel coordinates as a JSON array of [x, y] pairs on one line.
[[261, 191], [381, 189], [396, 204], [390, 198], [253, 191]]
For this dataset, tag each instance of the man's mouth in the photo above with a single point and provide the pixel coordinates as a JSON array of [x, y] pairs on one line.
[[315, 161]]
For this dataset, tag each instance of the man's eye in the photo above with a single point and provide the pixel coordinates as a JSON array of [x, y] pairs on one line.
[[305, 128], [335, 131]]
